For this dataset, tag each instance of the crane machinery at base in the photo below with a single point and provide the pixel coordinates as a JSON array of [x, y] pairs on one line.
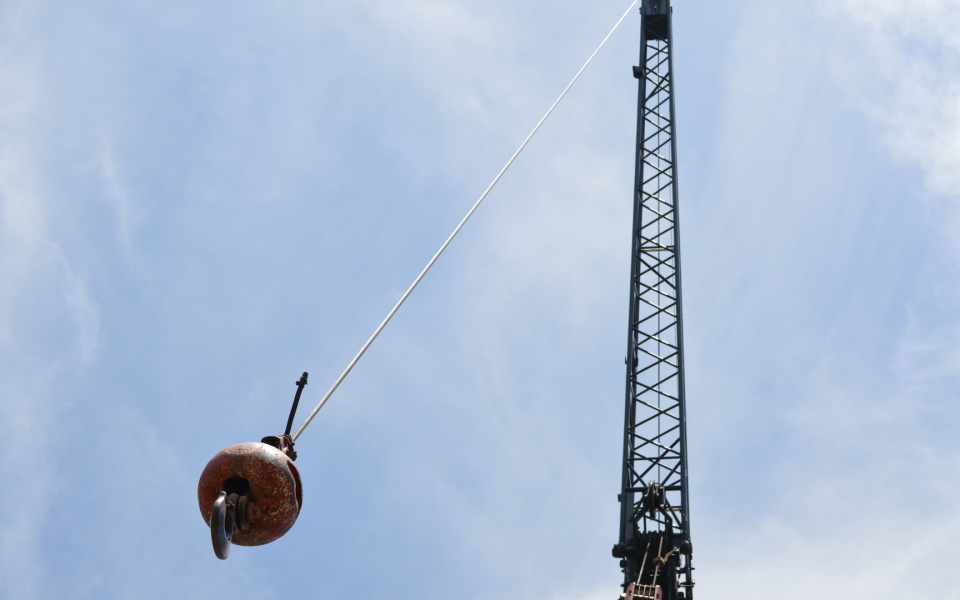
[[654, 547]]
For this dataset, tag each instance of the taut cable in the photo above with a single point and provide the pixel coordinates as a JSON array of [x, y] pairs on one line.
[[452, 235]]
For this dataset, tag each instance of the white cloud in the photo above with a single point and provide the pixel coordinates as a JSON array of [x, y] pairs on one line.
[[490, 409], [868, 561], [119, 197], [832, 430], [49, 319], [86, 316], [902, 61]]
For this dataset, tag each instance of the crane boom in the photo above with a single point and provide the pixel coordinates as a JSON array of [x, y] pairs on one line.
[[654, 544]]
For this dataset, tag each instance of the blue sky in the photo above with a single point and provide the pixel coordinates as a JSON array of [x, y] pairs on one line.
[[199, 202]]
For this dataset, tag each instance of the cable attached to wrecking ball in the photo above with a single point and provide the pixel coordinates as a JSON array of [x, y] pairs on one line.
[[356, 358], [250, 494]]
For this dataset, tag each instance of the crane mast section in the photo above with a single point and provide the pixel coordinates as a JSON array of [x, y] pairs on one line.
[[654, 496]]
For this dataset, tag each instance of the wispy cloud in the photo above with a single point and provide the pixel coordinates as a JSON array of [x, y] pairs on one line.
[[49, 318], [282, 171], [902, 63], [851, 426], [118, 196]]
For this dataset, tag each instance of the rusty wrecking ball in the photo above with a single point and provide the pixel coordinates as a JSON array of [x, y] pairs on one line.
[[250, 494]]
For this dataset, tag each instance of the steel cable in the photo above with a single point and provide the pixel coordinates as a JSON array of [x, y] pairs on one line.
[[455, 232]]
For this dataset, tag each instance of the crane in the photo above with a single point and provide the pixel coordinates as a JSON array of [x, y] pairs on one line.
[[654, 546], [250, 494]]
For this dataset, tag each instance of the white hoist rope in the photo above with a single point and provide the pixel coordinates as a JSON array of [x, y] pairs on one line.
[[455, 232]]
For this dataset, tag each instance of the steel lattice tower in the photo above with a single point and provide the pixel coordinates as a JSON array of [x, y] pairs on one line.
[[654, 498]]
